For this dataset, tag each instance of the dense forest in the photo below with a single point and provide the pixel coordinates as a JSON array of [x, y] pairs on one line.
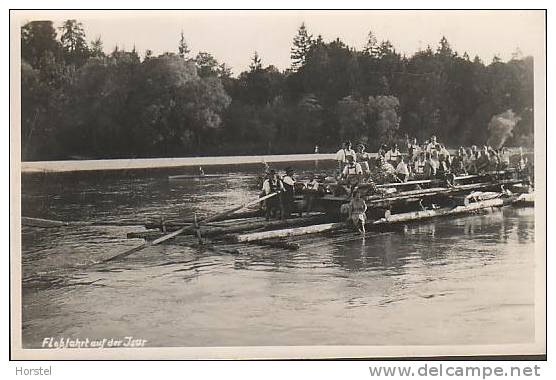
[[79, 102]]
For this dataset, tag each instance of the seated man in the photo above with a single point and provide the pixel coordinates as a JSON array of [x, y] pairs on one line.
[[457, 165], [402, 170], [431, 165], [392, 155], [483, 161], [419, 166], [384, 172], [311, 190], [443, 167], [351, 175]]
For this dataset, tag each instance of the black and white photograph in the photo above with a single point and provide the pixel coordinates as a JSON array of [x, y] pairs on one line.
[[280, 184]]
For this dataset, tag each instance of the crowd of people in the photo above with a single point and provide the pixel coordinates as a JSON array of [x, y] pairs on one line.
[[414, 161], [428, 160]]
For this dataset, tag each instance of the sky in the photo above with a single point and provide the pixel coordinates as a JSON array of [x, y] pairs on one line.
[[233, 36]]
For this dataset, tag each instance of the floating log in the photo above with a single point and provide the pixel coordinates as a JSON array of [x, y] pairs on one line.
[[265, 235], [183, 229], [183, 222], [277, 244], [427, 214], [527, 199], [43, 223], [227, 229], [195, 176], [148, 234], [409, 183], [48, 223], [476, 196]]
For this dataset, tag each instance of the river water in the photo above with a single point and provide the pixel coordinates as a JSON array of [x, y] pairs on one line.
[[467, 280]]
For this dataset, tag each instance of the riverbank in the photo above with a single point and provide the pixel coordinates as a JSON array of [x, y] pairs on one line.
[[151, 163]]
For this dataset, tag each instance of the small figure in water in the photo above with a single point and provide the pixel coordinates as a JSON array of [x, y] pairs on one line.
[[357, 211], [201, 171]]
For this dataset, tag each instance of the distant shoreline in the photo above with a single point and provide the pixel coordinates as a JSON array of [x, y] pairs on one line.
[[152, 163]]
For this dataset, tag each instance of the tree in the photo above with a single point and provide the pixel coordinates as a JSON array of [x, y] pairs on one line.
[[444, 48], [371, 46], [183, 49], [174, 108], [302, 43], [97, 48], [352, 117], [256, 63], [37, 39], [74, 43], [206, 64], [386, 121]]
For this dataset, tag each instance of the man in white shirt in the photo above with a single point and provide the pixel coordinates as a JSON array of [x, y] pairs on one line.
[[311, 191], [341, 155], [352, 173], [432, 144], [402, 171], [393, 154], [272, 184], [289, 190]]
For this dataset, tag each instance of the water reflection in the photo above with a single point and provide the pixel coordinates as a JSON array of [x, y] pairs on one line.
[[336, 289]]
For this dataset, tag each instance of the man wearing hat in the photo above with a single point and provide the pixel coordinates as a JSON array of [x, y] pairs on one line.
[[351, 175], [341, 155], [289, 191], [271, 185]]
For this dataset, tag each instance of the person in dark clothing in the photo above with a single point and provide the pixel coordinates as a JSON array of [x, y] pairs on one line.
[[288, 184], [271, 185]]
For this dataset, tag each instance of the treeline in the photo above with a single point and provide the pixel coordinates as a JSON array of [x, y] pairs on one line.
[[79, 102]]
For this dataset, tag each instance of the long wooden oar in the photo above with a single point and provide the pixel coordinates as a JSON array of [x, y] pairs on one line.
[[189, 227]]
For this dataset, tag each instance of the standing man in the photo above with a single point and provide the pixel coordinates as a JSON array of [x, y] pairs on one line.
[[431, 145], [413, 149], [289, 191], [363, 158], [341, 155], [271, 185]]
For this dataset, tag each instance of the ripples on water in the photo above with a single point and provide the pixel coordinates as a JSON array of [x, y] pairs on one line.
[[467, 280]]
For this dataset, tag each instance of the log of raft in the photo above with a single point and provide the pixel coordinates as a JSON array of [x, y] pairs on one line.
[[476, 196], [265, 235], [49, 223], [182, 222], [277, 244], [186, 228], [427, 214], [527, 199], [213, 231], [195, 176]]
